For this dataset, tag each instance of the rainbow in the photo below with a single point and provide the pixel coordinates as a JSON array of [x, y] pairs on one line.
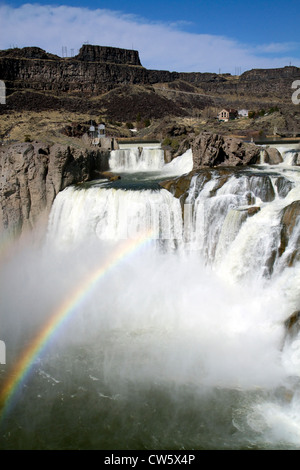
[[25, 363]]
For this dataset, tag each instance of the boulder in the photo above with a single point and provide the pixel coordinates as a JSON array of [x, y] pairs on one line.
[[262, 187], [296, 159], [272, 156], [289, 220], [253, 210], [283, 186], [216, 150]]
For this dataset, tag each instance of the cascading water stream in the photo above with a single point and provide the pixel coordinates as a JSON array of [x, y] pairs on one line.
[[181, 343], [136, 159], [112, 215]]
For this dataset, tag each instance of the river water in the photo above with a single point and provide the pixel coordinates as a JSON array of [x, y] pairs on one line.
[[145, 323]]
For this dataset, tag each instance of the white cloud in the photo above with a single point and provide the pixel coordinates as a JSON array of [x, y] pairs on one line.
[[161, 46], [276, 48]]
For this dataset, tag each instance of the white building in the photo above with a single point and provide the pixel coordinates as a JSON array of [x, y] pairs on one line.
[[243, 113], [101, 130]]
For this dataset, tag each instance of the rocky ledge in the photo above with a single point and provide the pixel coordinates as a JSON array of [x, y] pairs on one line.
[[33, 173]]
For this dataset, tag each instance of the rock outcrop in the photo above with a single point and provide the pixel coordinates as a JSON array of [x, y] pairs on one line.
[[114, 55], [28, 53], [259, 185], [33, 174], [272, 156], [210, 150], [283, 186], [292, 324], [97, 69], [290, 218]]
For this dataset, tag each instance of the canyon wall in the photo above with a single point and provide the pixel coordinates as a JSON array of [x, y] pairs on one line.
[[97, 69], [32, 174]]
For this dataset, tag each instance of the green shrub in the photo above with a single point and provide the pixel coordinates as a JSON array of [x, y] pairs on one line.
[[167, 141], [175, 144], [273, 109]]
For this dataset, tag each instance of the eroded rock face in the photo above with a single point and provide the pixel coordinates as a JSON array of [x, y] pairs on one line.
[[292, 324], [28, 53], [272, 156], [98, 69], [289, 219], [216, 150], [261, 186], [113, 55], [283, 186], [31, 175], [179, 186], [297, 159]]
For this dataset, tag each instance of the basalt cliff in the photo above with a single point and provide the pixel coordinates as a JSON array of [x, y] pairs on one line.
[[32, 174], [36, 79]]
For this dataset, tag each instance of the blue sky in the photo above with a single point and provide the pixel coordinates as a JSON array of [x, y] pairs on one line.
[[202, 36]]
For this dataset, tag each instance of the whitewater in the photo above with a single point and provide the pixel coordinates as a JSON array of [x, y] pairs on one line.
[[178, 340]]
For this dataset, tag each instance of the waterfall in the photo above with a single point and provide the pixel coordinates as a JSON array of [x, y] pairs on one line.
[[109, 214], [291, 157], [289, 153], [140, 159], [238, 229], [180, 165], [136, 159], [178, 342]]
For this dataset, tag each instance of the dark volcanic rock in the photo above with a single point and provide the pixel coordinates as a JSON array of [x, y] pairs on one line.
[[253, 210], [215, 150], [272, 156], [28, 53], [283, 186], [113, 55], [290, 216], [126, 102], [33, 174], [97, 69], [292, 324], [261, 186], [179, 185]]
